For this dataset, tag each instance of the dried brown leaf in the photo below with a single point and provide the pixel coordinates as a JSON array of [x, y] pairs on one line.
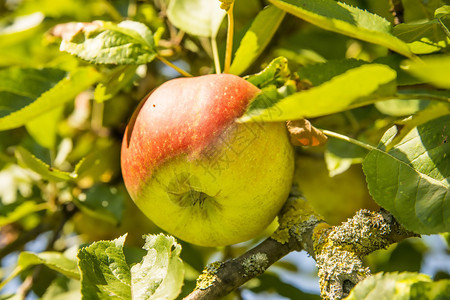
[[304, 134]]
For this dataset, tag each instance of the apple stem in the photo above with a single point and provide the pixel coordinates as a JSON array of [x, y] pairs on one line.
[[215, 55], [179, 70], [230, 33], [348, 139]]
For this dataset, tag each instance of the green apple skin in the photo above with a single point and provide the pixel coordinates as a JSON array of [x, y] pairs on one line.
[[196, 172]]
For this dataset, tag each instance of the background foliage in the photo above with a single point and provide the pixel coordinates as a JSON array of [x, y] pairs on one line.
[[67, 90]]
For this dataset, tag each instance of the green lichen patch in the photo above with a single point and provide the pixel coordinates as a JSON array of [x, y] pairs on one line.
[[255, 265], [208, 276], [295, 217], [339, 270], [365, 232]]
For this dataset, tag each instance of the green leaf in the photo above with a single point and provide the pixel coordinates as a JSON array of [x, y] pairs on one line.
[[398, 108], [388, 286], [411, 179], [104, 271], [101, 42], [28, 93], [30, 161], [276, 71], [433, 111], [44, 128], [196, 17], [25, 84], [432, 69], [116, 80], [394, 61], [277, 68], [102, 202], [24, 209], [356, 87], [63, 288], [160, 273], [344, 19], [56, 261], [437, 290], [340, 155], [322, 72], [19, 28], [442, 11], [256, 38], [424, 38]]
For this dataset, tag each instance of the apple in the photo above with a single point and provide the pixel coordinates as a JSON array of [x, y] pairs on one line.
[[335, 198], [196, 172]]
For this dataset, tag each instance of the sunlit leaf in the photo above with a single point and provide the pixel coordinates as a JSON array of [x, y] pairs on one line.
[[353, 88], [101, 42], [341, 155], [442, 11], [115, 81], [28, 93], [345, 19], [277, 70], [411, 180], [197, 17], [256, 38], [390, 286], [24, 209], [160, 273], [44, 128], [63, 288], [52, 259], [106, 274], [19, 28], [400, 108], [432, 69], [56, 261], [104, 270], [424, 38], [30, 161], [433, 111], [431, 290]]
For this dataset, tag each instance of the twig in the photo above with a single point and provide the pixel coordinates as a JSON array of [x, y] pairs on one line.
[[230, 33], [235, 272], [179, 70], [397, 11], [443, 27], [24, 238], [215, 53], [348, 139]]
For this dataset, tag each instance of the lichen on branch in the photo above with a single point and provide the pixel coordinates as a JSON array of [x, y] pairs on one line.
[[338, 250]]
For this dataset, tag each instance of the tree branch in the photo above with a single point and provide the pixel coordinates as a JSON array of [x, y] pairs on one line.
[[340, 249], [337, 250]]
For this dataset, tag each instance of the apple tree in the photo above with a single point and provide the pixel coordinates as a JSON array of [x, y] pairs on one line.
[[201, 149]]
